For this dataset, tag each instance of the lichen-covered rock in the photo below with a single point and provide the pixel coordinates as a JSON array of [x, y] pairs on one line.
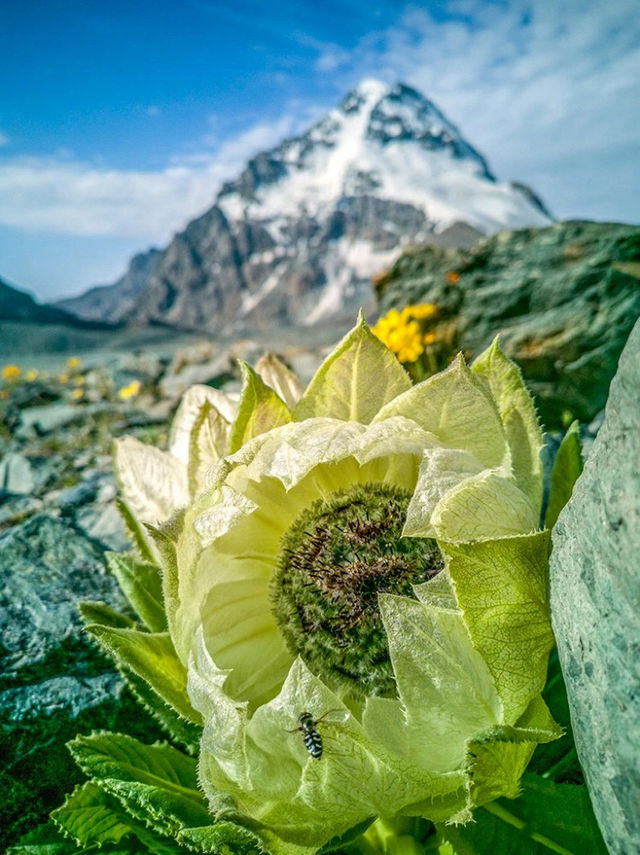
[[54, 683], [564, 299], [595, 601]]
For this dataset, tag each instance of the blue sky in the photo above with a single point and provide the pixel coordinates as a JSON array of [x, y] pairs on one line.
[[119, 121]]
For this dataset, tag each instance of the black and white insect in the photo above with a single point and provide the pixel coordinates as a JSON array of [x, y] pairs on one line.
[[308, 727]]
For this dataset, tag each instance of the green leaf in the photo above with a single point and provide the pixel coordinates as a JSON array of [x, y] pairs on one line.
[[152, 657], [50, 839], [91, 816], [501, 587], [259, 411], [95, 612], [458, 409], [497, 768], [567, 468], [500, 758], [155, 783], [46, 839], [558, 760], [337, 844], [518, 415], [355, 381], [184, 732], [222, 838], [141, 584], [135, 532], [546, 818]]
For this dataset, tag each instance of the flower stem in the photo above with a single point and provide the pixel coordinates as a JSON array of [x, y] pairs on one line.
[[402, 836]]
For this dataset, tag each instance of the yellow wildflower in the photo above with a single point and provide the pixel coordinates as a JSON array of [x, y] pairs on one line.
[[73, 362], [429, 338], [77, 394], [11, 372], [400, 334], [79, 380], [422, 311], [63, 378], [130, 391], [453, 277], [405, 342], [31, 375]]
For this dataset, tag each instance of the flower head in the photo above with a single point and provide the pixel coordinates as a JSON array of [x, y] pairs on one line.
[[11, 372], [367, 546], [400, 332], [131, 390]]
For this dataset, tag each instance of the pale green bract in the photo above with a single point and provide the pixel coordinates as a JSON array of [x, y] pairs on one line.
[[468, 648]]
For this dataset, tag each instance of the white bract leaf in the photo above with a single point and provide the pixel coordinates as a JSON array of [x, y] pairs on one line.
[[281, 379], [188, 412], [153, 482]]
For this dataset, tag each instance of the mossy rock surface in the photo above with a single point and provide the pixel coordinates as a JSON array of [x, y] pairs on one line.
[[54, 683], [563, 298], [595, 603]]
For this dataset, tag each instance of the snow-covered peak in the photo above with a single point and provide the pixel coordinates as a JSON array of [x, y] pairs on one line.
[[385, 141]]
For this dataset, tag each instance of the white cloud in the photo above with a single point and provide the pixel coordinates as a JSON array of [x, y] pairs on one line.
[[534, 85], [546, 90], [67, 196]]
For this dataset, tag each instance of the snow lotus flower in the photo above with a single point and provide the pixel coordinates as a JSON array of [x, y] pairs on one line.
[[367, 552]]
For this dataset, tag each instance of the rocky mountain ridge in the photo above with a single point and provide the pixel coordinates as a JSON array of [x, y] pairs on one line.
[[298, 235]]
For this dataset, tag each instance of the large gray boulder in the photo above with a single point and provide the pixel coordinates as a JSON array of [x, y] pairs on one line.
[[595, 603], [563, 298], [54, 683]]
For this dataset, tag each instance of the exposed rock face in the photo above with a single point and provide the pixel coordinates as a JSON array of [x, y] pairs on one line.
[[298, 235], [563, 299], [595, 602], [105, 301]]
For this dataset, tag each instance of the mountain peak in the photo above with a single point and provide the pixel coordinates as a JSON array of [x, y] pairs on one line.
[[298, 234]]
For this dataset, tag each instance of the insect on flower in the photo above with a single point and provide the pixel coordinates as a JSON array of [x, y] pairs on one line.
[[307, 725]]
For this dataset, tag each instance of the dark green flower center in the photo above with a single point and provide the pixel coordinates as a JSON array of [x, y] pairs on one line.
[[334, 560]]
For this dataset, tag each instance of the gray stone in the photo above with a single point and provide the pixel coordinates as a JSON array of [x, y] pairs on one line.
[[595, 602], [80, 494], [104, 523], [48, 418], [16, 474], [563, 298], [54, 683]]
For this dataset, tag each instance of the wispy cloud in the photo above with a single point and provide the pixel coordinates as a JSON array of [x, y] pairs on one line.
[[67, 196], [548, 90]]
